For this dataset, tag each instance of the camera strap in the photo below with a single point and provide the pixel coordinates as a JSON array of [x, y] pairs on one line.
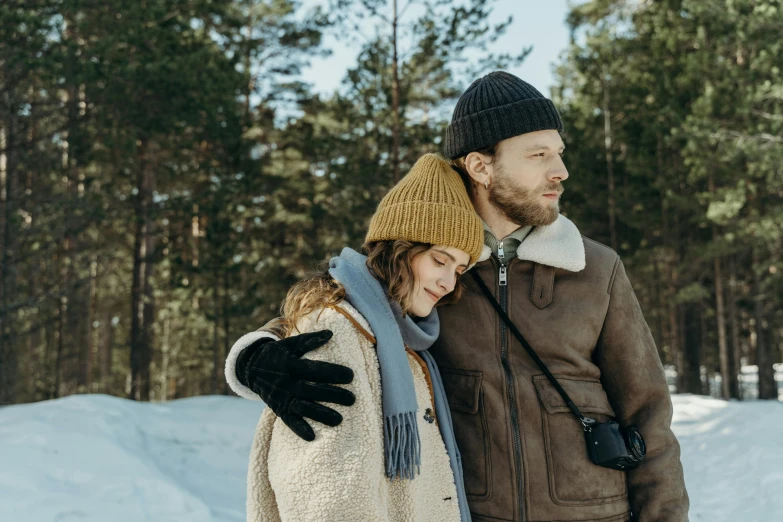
[[586, 421]]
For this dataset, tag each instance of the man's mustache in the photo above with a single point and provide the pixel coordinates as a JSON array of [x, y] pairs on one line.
[[553, 187]]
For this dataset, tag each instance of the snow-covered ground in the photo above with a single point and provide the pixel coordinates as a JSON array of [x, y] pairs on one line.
[[732, 453], [95, 458], [103, 459]]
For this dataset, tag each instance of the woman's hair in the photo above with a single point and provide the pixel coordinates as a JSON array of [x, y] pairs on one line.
[[459, 166], [391, 262]]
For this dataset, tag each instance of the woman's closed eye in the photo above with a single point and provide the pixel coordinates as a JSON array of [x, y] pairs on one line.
[[440, 263]]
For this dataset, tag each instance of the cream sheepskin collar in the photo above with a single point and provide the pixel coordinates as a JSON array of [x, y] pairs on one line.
[[558, 245]]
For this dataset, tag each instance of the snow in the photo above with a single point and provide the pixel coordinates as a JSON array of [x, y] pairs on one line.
[[732, 453], [99, 458]]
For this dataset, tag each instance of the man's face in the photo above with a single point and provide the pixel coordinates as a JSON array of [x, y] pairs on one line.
[[527, 173]]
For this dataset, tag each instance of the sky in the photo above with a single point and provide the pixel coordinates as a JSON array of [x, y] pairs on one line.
[[537, 23]]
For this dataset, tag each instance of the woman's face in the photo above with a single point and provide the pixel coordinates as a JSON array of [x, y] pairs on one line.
[[435, 272]]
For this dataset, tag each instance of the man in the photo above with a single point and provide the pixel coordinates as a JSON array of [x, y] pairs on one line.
[[523, 451]]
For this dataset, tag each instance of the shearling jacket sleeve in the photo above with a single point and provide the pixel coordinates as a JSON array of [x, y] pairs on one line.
[[633, 377], [338, 476], [230, 369]]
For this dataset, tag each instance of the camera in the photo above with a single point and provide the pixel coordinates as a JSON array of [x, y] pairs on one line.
[[610, 446]]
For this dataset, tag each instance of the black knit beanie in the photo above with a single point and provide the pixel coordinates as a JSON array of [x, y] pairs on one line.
[[494, 108]]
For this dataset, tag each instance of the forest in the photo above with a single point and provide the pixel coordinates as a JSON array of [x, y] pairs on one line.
[[167, 171]]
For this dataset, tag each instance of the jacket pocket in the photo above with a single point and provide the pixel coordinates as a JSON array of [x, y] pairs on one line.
[[573, 478], [466, 402]]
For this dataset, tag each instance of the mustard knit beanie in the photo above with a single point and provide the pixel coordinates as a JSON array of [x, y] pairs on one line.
[[429, 205]]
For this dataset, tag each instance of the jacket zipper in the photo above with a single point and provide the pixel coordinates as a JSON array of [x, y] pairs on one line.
[[503, 282]]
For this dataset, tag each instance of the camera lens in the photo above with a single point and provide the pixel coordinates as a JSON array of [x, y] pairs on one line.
[[635, 444]]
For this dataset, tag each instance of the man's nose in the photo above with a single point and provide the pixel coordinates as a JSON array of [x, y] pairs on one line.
[[558, 172]]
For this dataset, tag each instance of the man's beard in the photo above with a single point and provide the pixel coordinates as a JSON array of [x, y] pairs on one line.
[[522, 206]]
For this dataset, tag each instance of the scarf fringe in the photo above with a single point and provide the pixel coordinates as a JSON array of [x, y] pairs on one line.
[[403, 446]]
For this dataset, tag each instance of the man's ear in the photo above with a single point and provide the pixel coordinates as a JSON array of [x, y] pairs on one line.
[[479, 167]]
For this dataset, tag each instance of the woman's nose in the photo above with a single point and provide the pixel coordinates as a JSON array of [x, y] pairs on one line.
[[448, 283]]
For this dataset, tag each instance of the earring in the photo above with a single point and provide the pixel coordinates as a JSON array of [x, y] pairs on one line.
[[486, 185]]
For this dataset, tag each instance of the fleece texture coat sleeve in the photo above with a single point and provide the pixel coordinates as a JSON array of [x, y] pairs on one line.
[[339, 475], [633, 378], [267, 331]]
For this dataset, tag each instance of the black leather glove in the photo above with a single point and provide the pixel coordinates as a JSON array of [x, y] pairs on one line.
[[291, 385]]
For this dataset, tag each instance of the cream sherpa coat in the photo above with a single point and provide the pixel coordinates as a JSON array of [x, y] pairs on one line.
[[339, 477]]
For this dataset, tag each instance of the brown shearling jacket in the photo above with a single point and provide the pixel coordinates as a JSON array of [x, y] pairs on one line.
[[523, 451]]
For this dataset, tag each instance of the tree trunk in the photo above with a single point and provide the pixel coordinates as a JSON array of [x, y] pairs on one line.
[[76, 300], [165, 349], [66, 265], [226, 329], [165, 356], [395, 99], [46, 362], [107, 348], [91, 310], [149, 313], [52, 333], [675, 316], [62, 312], [727, 368], [655, 305], [8, 187], [767, 385], [608, 139], [736, 352], [669, 321], [707, 363], [142, 298], [216, 356], [692, 336], [675, 327]]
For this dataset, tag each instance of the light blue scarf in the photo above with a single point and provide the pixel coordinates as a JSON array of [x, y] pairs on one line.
[[393, 331]]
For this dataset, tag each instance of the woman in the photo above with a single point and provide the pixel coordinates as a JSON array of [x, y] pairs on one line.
[[393, 458]]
